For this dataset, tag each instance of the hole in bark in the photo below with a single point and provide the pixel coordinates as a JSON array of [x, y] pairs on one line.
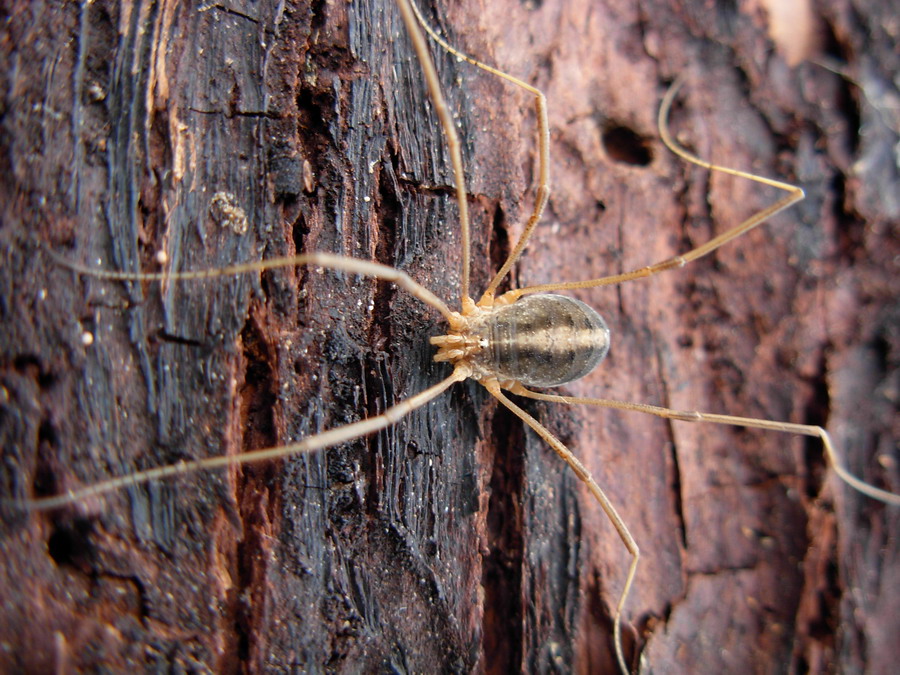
[[626, 146], [69, 545]]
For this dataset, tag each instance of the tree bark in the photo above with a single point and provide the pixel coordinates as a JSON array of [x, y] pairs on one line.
[[454, 540]]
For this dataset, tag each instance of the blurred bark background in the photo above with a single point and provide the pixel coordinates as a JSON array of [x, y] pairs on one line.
[[453, 541]]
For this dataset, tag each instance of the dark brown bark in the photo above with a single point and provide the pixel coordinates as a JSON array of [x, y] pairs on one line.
[[454, 540]]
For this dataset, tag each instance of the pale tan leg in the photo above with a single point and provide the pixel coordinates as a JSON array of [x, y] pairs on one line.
[[795, 194], [693, 416], [446, 119], [543, 189], [309, 444], [336, 262], [611, 513]]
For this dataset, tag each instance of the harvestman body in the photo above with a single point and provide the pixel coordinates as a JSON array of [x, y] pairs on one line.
[[540, 341], [524, 338]]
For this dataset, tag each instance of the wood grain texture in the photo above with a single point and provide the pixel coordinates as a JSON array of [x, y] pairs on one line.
[[453, 541]]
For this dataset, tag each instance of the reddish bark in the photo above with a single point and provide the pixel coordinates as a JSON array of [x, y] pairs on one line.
[[454, 540]]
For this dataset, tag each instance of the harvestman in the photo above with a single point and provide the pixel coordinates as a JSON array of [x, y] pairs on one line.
[[522, 338]]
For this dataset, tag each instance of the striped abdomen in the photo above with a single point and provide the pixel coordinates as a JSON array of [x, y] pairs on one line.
[[541, 340]]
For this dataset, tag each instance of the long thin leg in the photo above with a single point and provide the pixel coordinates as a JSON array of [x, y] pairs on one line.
[[309, 444], [611, 513], [795, 194], [446, 120], [692, 416], [337, 262], [543, 190]]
